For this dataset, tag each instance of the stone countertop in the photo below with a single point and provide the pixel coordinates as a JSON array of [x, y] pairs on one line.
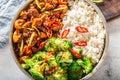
[[108, 71]]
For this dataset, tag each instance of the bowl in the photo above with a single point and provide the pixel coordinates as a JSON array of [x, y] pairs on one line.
[[95, 68]]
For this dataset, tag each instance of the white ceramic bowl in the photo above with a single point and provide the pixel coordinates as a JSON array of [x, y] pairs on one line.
[[102, 56]]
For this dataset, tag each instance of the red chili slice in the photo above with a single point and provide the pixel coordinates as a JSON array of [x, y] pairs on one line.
[[81, 29], [52, 70], [74, 53], [81, 43], [42, 45], [65, 33], [49, 33], [61, 2]]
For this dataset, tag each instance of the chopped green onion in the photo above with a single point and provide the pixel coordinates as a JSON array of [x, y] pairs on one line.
[[97, 1], [57, 9], [29, 29], [37, 3], [21, 48], [36, 29], [31, 38]]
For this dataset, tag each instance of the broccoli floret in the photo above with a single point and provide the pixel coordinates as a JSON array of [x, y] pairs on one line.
[[38, 56], [36, 75], [52, 61], [37, 70], [35, 59], [65, 45], [75, 71], [25, 66], [86, 64], [29, 62], [51, 40], [55, 44], [50, 48], [50, 45], [60, 74], [64, 59]]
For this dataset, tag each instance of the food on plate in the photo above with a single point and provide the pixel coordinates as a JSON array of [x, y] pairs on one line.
[[58, 39]]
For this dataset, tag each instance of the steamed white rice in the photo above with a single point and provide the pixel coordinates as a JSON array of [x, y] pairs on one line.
[[81, 13]]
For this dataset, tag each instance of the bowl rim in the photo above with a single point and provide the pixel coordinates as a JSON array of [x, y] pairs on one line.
[[11, 42], [98, 65]]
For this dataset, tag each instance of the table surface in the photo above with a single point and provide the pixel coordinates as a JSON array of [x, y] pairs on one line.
[[108, 71]]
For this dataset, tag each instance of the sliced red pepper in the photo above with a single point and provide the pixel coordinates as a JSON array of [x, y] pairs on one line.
[[42, 45], [49, 33], [36, 36], [52, 70], [62, 2], [81, 43], [65, 33], [74, 53], [81, 29]]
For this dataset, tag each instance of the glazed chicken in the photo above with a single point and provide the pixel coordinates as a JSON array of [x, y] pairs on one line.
[[41, 20]]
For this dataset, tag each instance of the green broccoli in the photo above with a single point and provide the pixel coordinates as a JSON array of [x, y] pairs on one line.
[[86, 64], [35, 59], [50, 48], [36, 75], [57, 44], [60, 74], [39, 56], [36, 65], [65, 45], [75, 71], [25, 66], [50, 45], [52, 62], [28, 62], [64, 59]]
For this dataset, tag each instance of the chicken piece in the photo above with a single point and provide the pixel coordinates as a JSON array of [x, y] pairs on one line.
[[27, 24], [27, 50], [34, 49], [54, 1], [23, 15], [43, 35], [47, 6], [64, 10], [16, 36], [57, 25], [19, 23], [26, 33], [42, 28], [49, 33], [62, 2], [56, 14], [38, 21], [51, 1], [33, 13], [33, 5], [47, 23]]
